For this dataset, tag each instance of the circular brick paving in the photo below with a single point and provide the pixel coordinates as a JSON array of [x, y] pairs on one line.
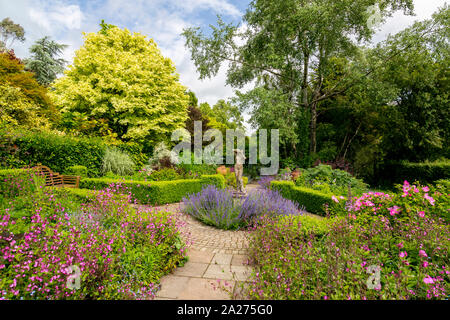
[[201, 237]]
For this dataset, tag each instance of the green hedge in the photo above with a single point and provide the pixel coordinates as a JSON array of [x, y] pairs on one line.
[[312, 200], [81, 171], [424, 172], [22, 148], [79, 194], [157, 192]]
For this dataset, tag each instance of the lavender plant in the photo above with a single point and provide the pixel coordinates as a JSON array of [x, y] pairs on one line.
[[214, 207], [217, 207], [265, 202]]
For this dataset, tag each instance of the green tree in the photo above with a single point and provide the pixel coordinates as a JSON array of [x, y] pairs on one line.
[[287, 45], [10, 31], [44, 61], [121, 80], [23, 101]]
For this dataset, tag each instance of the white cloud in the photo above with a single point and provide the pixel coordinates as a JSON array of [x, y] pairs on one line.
[[162, 20]]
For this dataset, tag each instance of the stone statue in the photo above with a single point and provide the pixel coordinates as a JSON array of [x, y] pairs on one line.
[[239, 169]]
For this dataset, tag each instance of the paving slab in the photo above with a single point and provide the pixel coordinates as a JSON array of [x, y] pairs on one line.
[[219, 271], [200, 256], [172, 286], [240, 260], [241, 273], [222, 258], [191, 269], [204, 289]]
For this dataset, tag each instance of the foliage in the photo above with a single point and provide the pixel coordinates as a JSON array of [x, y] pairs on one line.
[[267, 202], [410, 199], [120, 80], [286, 47], [425, 172], [230, 180], [312, 200], [77, 170], [156, 192], [323, 178], [163, 157], [411, 254], [10, 31], [20, 148], [217, 207], [44, 61], [23, 99], [117, 162], [121, 253]]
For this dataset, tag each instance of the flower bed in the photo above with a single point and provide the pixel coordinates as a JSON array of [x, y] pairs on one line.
[[400, 238], [120, 252]]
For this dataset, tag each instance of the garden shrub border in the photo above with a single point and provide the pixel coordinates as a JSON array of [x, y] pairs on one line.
[[312, 200], [157, 192]]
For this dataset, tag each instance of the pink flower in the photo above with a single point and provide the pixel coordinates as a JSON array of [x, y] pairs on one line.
[[425, 189], [421, 214], [425, 264], [428, 280], [335, 199], [394, 210], [430, 199], [403, 254], [423, 254]]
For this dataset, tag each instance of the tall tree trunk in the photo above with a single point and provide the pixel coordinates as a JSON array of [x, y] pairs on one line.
[[313, 127]]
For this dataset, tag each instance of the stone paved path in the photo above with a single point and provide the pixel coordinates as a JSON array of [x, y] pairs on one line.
[[217, 264]]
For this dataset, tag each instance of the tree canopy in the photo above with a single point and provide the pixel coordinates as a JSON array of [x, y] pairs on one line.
[[122, 84], [44, 61]]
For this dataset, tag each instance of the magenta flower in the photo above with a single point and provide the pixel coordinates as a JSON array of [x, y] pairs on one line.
[[425, 189], [430, 199], [421, 214], [335, 199], [394, 210], [428, 280], [423, 254], [403, 254], [425, 264]]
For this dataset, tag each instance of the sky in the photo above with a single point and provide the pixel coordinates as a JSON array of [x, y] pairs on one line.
[[162, 20]]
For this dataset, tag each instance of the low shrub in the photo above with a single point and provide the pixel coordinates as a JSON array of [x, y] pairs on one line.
[[156, 192], [424, 172], [217, 207], [398, 235], [410, 199], [20, 148], [81, 171], [213, 206], [264, 181], [312, 200], [121, 253], [230, 180], [117, 162], [327, 180]]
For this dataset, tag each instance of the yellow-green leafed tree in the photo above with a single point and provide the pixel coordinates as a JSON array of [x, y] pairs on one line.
[[121, 80]]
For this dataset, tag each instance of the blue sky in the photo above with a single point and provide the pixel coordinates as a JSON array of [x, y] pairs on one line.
[[162, 20]]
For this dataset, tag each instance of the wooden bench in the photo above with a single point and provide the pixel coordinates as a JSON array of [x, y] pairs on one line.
[[55, 179]]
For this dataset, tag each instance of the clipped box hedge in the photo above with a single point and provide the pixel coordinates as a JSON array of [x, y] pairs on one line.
[[157, 192], [424, 172], [312, 200]]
